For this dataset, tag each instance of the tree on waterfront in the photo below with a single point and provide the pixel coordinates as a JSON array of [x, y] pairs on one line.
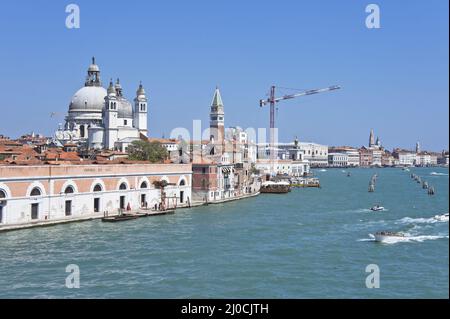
[[153, 152]]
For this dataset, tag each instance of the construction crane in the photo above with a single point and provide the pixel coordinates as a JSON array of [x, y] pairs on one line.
[[272, 100]]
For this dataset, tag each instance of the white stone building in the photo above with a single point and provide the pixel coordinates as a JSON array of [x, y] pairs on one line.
[[338, 159], [103, 118], [283, 167], [406, 158], [351, 153], [36, 195]]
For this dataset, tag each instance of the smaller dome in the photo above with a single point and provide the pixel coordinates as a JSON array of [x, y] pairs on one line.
[[111, 89], [140, 90], [93, 68], [118, 86]]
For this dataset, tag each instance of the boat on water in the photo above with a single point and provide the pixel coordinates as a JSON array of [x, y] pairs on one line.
[[442, 218], [305, 182], [377, 208], [387, 235], [275, 187], [119, 218]]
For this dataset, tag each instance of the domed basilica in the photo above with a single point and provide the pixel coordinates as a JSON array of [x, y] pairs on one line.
[[102, 118]]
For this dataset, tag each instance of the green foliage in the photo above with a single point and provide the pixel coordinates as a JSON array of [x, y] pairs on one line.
[[153, 152]]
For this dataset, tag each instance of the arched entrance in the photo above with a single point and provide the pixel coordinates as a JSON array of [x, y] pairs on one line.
[[122, 187], [143, 198], [68, 204], [35, 206], [97, 188]]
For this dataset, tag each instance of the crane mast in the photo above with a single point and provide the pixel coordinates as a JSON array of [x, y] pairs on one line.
[[272, 100]]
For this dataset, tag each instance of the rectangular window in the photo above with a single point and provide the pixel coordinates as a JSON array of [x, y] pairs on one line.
[[124, 122]]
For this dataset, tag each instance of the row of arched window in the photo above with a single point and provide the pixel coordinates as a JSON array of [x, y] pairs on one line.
[[36, 191]]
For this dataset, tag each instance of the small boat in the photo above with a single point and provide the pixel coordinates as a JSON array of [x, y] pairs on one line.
[[442, 218], [348, 174], [386, 235], [119, 218], [377, 208], [275, 187]]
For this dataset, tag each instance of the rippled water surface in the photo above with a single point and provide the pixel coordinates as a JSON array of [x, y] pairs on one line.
[[309, 243]]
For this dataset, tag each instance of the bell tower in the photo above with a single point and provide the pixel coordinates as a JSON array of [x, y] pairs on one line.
[[140, 111], [111, 123], [217, 119]]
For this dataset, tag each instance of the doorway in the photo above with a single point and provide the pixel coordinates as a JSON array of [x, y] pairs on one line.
[[181, 197], [1, 214], [143, 201], [68, 209], [122, 202], [34, 211], [96, 205]]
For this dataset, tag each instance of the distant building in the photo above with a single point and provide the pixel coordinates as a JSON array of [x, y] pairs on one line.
[[371, 138], [315, 155], [443, 159], [338, 159], [283, 167], [377, 155], [351, 153], [405, 157], [365, 156], [387, 159]]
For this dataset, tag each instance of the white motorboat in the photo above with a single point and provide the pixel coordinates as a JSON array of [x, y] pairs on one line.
[[442, 218], [384, 236], [377, 208]]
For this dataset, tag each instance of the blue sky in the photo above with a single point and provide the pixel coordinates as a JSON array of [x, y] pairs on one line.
[[394, 79]]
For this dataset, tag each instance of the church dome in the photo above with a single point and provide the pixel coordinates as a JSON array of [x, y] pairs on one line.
[[93, 68], [124, 109], [90, 98]]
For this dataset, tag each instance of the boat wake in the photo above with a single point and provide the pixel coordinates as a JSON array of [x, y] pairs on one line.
[[432, 220], [438, 174]]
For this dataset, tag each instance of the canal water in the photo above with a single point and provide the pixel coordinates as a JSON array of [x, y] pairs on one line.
[[310, 243]]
